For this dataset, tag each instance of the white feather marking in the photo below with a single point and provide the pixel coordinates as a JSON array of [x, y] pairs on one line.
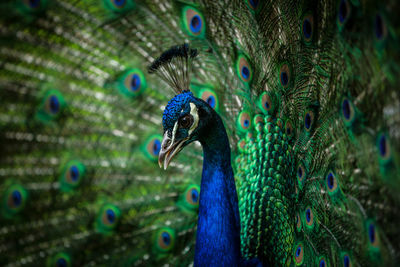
[[193, 112], [174, 132]]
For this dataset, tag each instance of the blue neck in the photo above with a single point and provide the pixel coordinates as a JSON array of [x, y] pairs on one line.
[[218, 230]]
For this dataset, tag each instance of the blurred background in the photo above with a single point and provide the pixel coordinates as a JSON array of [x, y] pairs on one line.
[[80, 133]]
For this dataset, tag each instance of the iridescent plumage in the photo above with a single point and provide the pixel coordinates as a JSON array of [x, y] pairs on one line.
[[300, 98]]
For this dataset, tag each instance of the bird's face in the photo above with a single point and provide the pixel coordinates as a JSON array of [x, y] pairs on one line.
[[181, 122]]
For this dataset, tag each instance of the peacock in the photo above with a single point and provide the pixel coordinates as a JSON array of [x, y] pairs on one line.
[[276, 125]]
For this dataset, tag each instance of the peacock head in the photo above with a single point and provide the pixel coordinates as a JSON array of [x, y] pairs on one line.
[[184, 119], [185, 116]]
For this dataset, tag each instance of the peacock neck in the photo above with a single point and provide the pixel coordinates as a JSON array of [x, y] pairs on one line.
[[218, 230]]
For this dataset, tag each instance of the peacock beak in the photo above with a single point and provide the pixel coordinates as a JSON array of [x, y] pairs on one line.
[[169, 148]]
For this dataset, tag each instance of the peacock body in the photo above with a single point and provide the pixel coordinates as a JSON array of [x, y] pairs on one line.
[[295, 105]]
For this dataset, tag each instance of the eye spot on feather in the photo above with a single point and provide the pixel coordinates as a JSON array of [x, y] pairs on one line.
[[156, 147], [266, 103], [108, 218], [191, 197], [347, 112], [118, 6], [384, 147], [15, 199], [51, 107], [253, 4], [244, 121], [193, 21], [210, 97], [373, 235], [243, 68], [298, 222], [289, 129], [308, 120], [32, 6], [53, 104], [343, 12], [165, 239], [380, 27], [73, 174], [61, 262], [245, 72], [211, 101], [133, 82], [32, 3], [195, 195], [331, 182], [346, 109], [346, 261], [152, 147], [308, 28], [118, 3], [298, 254], [301, 173], [298, 251], [195, 24], [322, 263], [284, 76], [309, 217]]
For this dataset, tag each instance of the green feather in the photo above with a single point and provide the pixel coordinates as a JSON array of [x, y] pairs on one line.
[[307, 91]]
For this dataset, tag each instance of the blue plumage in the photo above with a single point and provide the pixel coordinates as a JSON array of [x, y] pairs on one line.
[[219, 225], [218, 241], [173, 108]]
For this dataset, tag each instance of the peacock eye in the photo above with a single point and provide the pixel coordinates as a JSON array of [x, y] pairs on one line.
[[299, 254], [186, 121]]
